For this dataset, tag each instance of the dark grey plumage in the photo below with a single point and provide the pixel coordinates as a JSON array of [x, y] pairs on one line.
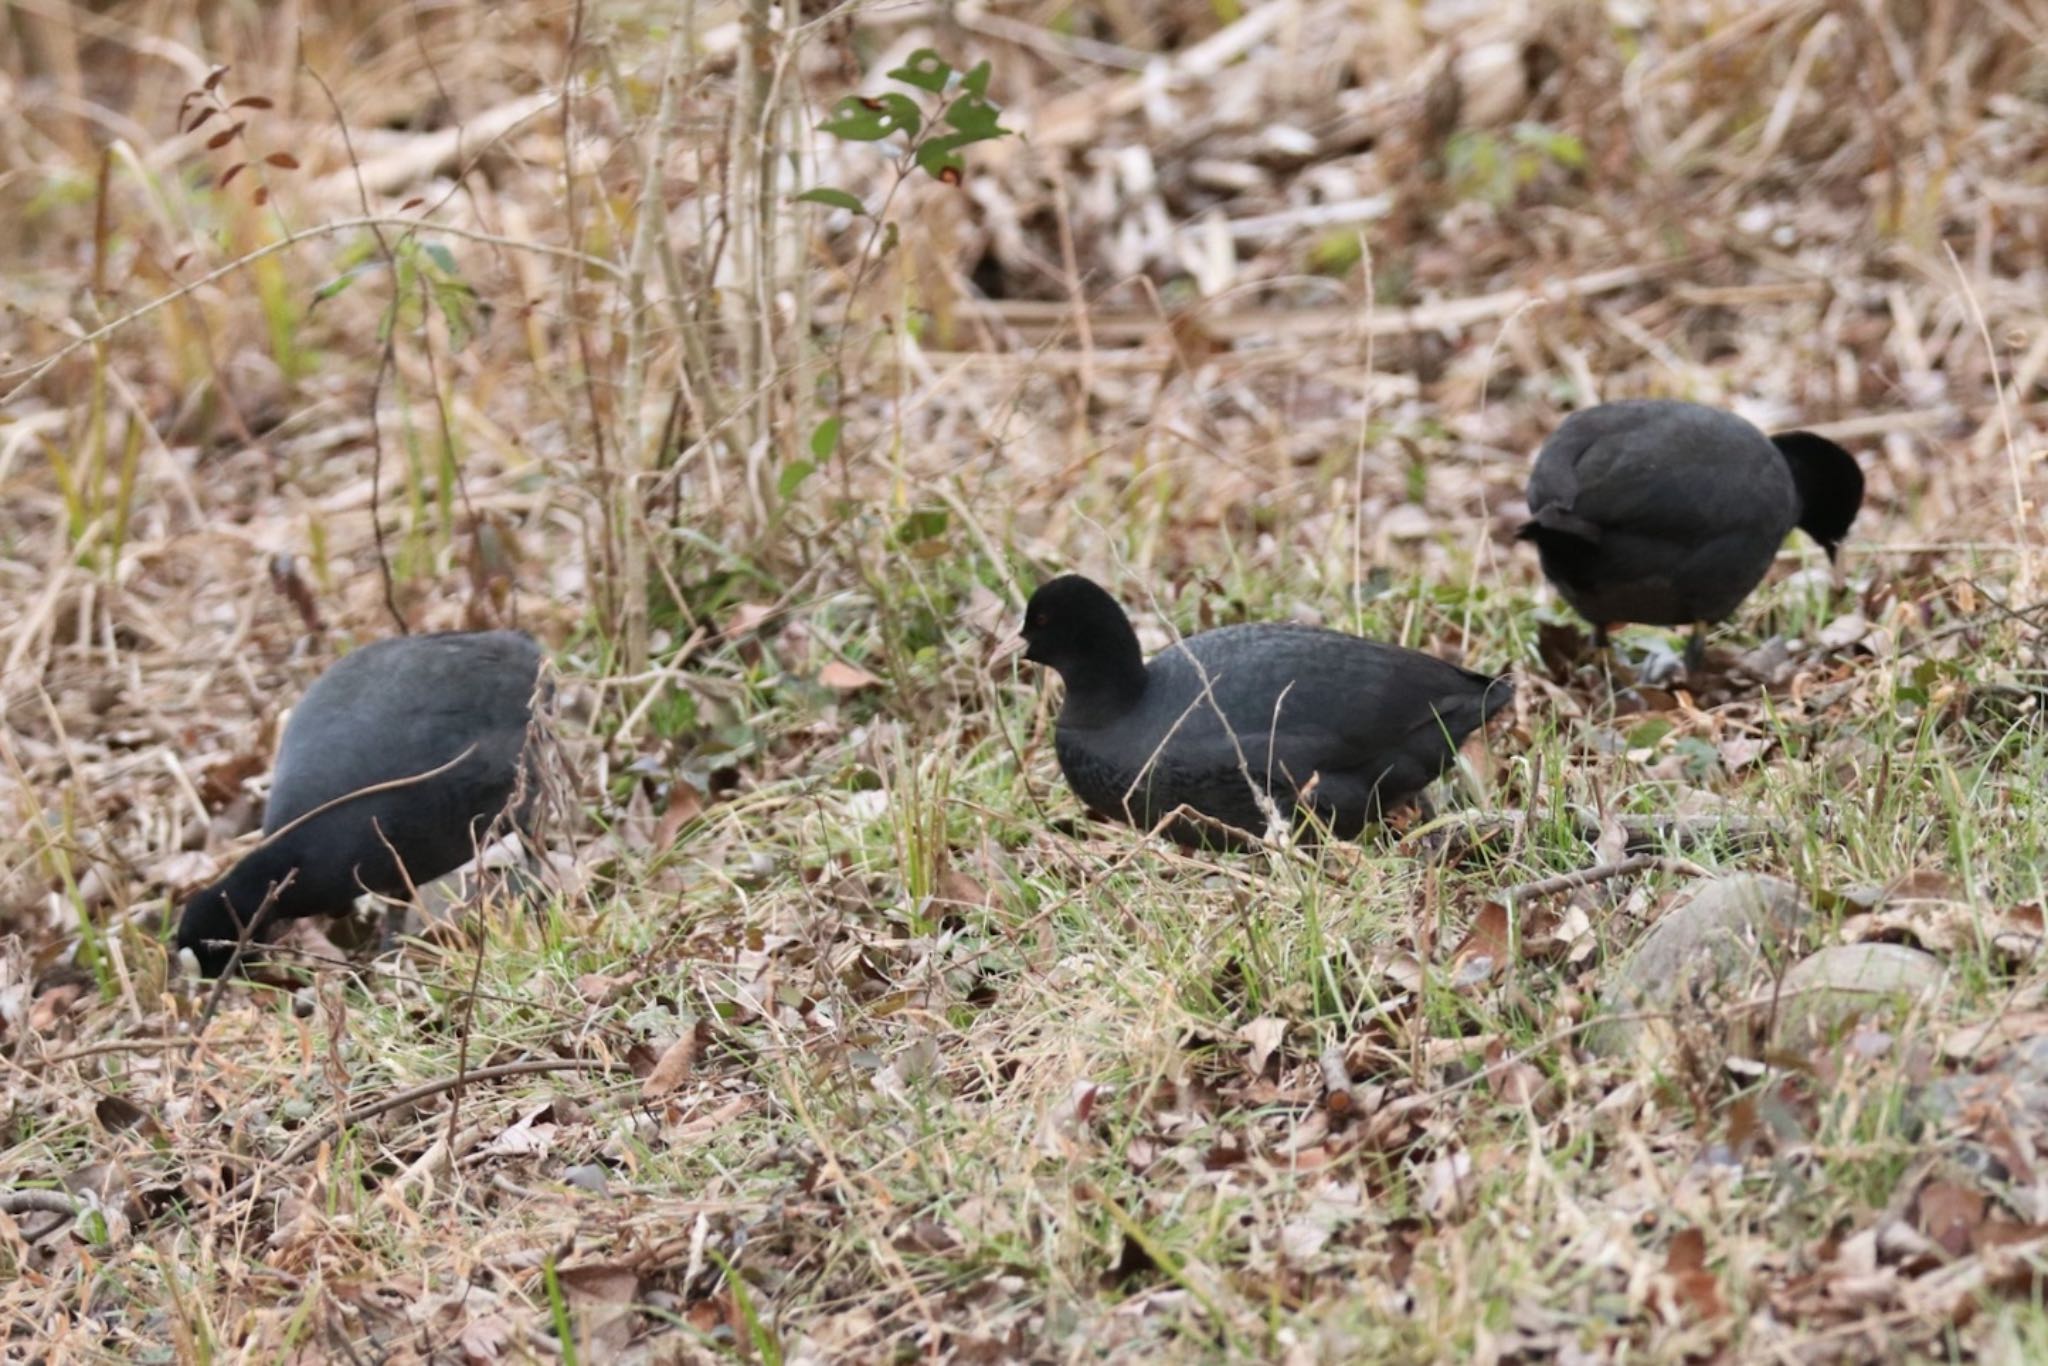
[[1668, 513], [1330, 725], [456, 706]]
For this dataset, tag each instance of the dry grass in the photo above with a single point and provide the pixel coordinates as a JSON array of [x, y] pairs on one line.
[[841, 1039]]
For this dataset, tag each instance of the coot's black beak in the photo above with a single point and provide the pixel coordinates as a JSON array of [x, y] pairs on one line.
[[1009, 647]]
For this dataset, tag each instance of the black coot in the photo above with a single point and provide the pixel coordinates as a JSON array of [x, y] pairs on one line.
[[450, 712], [1328, 724], [1669, 513]]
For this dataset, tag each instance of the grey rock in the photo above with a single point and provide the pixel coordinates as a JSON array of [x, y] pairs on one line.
[[1710, 946], [1827, 989]]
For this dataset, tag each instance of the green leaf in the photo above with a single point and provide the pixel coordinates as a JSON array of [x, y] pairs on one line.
[[924, 69], [923, 525], [975, 82], [855, 119], [975, 116], [442, 257], [792, 478], [825, 438], [838, 199], [457, 301], [938, 158], [1648, 734], [902, 113], [335, 286]]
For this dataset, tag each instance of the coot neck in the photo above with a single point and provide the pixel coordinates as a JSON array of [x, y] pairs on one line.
[[1107, 681], [245, 889]]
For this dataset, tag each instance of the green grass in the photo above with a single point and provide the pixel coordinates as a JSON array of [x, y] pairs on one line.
[[974, 1077]]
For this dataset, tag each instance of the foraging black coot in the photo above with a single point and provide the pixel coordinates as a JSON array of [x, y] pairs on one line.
[[1330, 725], [1669, 513], [448, 711]]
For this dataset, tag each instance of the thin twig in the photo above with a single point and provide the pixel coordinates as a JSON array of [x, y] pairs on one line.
[[38, 1202], [1602, 872], [400, 1099]]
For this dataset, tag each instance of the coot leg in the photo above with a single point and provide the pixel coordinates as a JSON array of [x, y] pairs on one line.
[[1600, 641], [1696, 648]]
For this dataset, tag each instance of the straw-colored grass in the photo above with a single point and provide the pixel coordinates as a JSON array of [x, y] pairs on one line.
[[842, 1034]]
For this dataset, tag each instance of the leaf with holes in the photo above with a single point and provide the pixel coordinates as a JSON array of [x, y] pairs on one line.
[[857, 118], [925, 70], [940, 158], [976, 117]]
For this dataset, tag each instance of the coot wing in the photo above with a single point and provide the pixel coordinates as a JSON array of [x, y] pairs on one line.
[[1675, 471], [401, 708], [1305, 702]]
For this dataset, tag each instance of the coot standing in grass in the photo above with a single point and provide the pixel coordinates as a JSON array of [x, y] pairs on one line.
[[391, 768], [1331, 726], [1669, 513]]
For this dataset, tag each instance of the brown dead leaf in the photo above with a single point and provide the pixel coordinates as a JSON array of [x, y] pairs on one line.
[[1976, 1040], [1069, 1119], [1925, 884], [1611, 844], [1486, 949], [484, 1338], [118, 1115], [600, 988], [1693, 1288], [221, 782], [1400, 967], [673, 1069], [958, 889], [1950, 1215], [1263, 1035], [840, 676], [604, 1292], [685, 804], [1519, 1083], [746, 617], [53, 1005], [1740, 751]]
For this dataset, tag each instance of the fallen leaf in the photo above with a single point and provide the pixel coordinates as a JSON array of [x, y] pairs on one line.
[[483, 1338], [1739, 752], [1950, 1215], [746, 617], [673, 1069], [843, 677], [606, 1293], [1693, 1287], [958, 889], [1485, 950], [685, 804], [1446, 1184], [52, 1006], [1400, 967], [527, 1137], [1264, 1035], [117, 1114], [600, 988]]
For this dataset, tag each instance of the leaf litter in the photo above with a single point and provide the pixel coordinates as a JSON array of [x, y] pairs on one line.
[[882, 1048]]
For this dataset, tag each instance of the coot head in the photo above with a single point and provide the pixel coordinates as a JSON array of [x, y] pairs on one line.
[[1071, 622], [208, 928], [1830, 485]]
